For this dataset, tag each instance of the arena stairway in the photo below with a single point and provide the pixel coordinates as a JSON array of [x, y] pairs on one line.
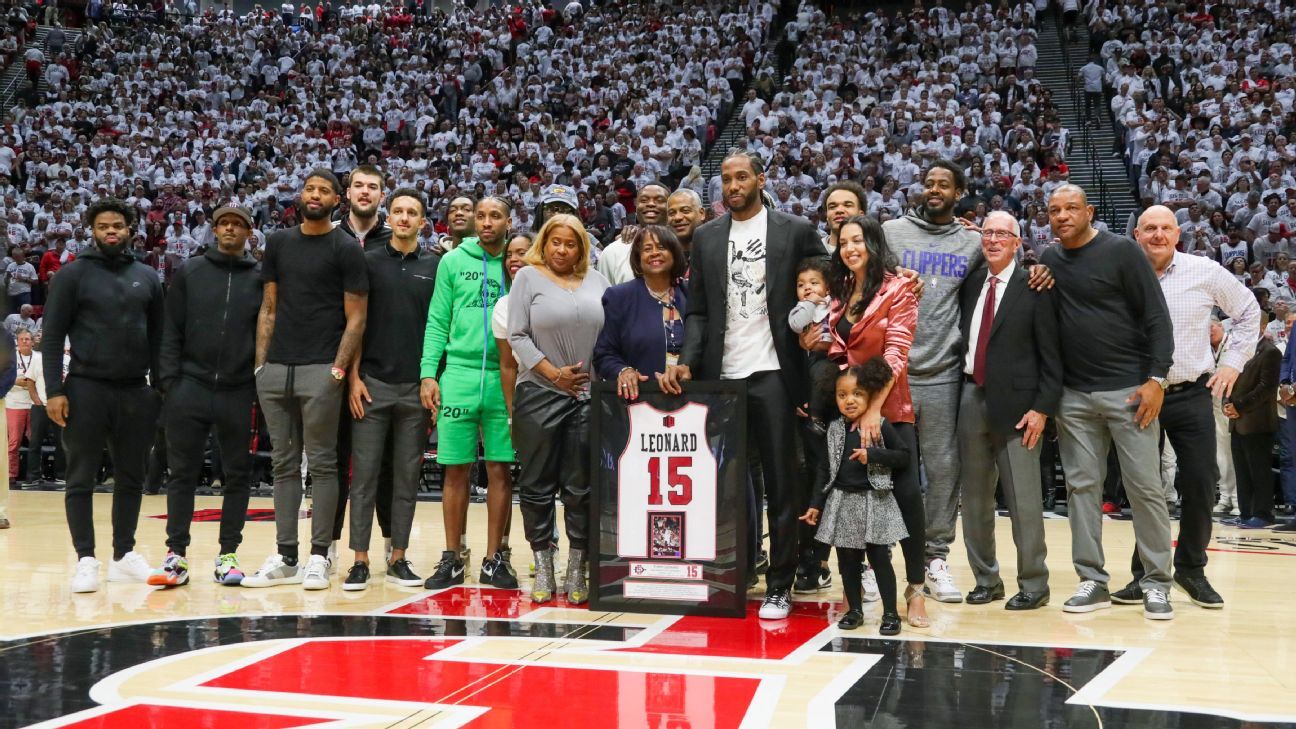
[[15, 74], [1091, 158]]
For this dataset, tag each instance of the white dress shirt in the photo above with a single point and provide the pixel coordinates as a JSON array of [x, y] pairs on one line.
[[974, 328], [1193, 287]]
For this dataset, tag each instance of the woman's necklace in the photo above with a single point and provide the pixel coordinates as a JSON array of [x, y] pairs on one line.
[[663, 297]]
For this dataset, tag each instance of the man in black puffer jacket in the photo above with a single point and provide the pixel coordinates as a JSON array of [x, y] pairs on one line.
[[110, 307], [208, 346]]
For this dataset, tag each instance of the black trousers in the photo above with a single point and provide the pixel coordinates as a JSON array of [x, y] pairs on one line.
[[1188, 421], [551, 434], [771, 430], [1252, 460], [815, 447], [42, 426], [123, 418], [851, 563], [383, 499], [192, 411], [908, 494]]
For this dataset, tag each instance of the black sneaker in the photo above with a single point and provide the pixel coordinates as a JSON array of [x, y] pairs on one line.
[[815, 579], [449, 571], [502, 574], [401, 573], [357, 578], [1199, 591], [1131, 594]]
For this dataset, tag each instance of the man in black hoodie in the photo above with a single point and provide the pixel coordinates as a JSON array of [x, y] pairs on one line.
[[208, 346], [110, 307]]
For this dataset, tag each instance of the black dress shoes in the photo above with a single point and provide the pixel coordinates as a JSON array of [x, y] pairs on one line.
[[1027, 601], [981, 595], [1199, 591], [851, 620], [1131, 594], [890, 624]]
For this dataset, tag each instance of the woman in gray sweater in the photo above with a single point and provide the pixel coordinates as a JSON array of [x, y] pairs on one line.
[[555, 315]]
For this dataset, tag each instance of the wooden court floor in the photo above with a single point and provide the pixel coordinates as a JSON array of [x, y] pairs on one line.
[[211, 656]]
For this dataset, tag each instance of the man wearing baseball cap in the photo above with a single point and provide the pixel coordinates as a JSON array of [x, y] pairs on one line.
[[208, 348]]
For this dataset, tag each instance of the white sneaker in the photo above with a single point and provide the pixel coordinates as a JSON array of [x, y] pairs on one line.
[[869, 583], [332, 556], [777, 606], [132, 567], [274, 572], [316, 575], [939, 584], [86, 578]]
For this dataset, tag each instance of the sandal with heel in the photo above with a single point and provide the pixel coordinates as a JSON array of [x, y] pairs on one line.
[[915, 621]]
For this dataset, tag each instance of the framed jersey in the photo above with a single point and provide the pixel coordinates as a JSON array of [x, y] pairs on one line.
[[670, 501]]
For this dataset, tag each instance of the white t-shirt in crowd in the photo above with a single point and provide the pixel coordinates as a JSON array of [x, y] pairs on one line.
[[749, 343], [28, 366], [614, 262]]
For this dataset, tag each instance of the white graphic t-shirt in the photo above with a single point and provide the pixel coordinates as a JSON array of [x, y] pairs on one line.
[[749, 343]]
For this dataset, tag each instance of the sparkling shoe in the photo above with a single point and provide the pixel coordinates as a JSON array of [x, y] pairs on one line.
[[543, 587], [577, 578]]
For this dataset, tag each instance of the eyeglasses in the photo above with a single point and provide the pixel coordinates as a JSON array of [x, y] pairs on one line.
[[998, 235]]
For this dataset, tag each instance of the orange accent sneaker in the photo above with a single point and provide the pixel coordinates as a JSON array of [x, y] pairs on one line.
[[173, 572]]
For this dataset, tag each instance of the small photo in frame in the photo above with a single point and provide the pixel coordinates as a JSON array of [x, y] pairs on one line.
[[665, 536]]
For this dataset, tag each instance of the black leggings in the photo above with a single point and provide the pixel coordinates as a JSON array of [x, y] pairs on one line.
[[908, 494], [851, 563]]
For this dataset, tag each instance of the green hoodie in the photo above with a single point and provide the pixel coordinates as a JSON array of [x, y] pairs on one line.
[[468, 283]]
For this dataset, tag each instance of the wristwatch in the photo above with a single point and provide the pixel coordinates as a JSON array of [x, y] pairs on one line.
[[1160, 381], [338, 374]]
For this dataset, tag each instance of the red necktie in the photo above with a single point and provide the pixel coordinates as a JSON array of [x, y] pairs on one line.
[[983, 337]]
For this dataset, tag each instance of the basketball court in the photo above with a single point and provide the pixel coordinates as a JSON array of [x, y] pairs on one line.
[[210, 656]]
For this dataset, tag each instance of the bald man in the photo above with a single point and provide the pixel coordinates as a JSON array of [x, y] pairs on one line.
[[1193, 287], [684, 213], [1012, 382], [1117, 352]]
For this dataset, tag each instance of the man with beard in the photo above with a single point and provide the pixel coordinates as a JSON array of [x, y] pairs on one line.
[[941, 251], [684, 213], [111, 307], [364, 195], [385, 390], [466, 396], [650, 207], [309, 330], [742, 287], [459, 221], [365, 223], [208, 347]]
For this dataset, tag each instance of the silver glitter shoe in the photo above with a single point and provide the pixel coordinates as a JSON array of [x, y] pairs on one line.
[[577, 578], [542, 589]]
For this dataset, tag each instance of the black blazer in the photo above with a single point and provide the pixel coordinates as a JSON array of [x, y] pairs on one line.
[[1024, 354], [1256, 391], [788, 241]]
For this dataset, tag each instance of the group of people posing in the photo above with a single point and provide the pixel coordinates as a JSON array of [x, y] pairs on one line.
[[865, 354]]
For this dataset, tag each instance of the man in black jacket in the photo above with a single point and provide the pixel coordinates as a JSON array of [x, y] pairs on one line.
[[110, 306], [742, 287], [208, 346], [1012, 369]]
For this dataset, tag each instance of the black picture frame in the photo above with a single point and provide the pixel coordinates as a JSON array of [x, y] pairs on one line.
[[725, 576]]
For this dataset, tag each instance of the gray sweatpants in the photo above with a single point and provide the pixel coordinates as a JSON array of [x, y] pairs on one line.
[[301, 405], [396, 415], [1089, 424], [936, 409]]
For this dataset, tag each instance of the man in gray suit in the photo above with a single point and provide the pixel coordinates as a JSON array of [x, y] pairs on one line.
[[1012, 365]]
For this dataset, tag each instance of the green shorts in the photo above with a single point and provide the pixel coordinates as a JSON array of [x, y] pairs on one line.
[[471, 407]]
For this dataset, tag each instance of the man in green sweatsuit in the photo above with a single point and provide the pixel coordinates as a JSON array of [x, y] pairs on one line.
[[467, 398]]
